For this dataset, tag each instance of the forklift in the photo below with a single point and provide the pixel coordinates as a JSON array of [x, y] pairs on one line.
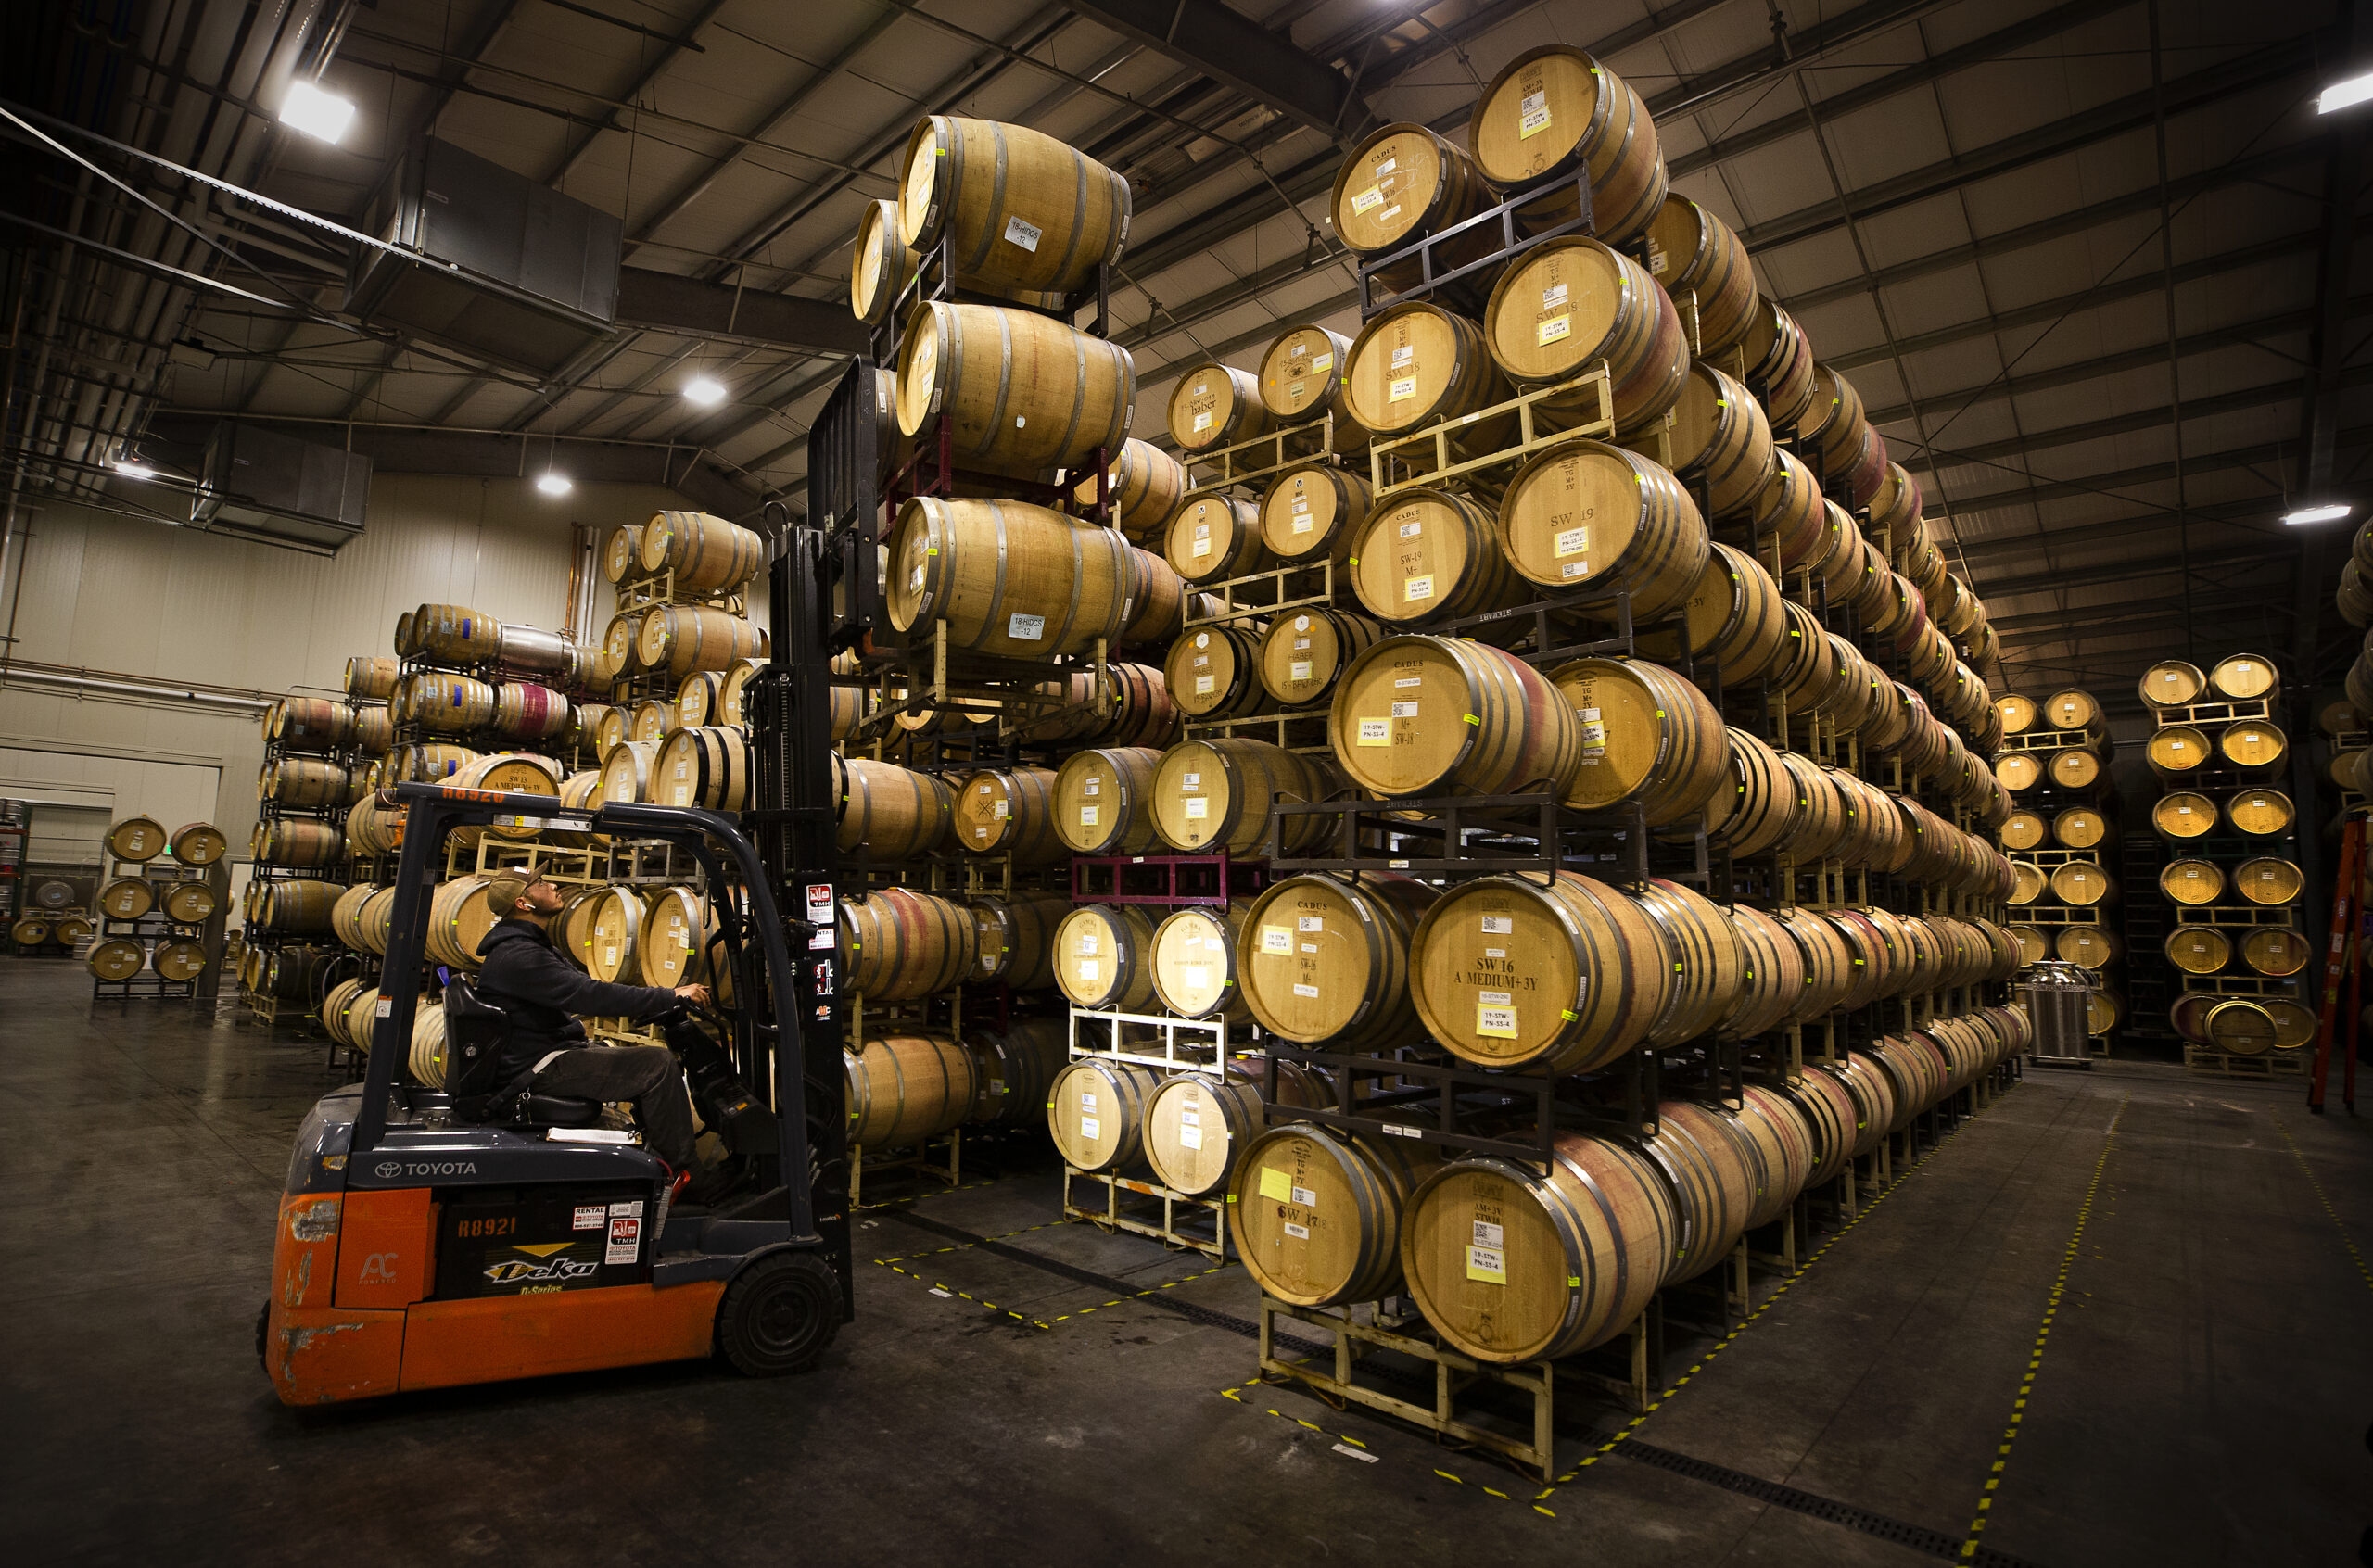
[[418, 1250]]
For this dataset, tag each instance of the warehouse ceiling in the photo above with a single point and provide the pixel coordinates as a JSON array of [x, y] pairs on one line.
[[2071, 253]]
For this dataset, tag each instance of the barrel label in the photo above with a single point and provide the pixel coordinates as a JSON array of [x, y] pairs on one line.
[[1375, 732], [1023, 234], [1363, 200], [1277, 939], [1403, 388], [1574, 541], [1309, 990], [1494, 1015], [1204, 685], [1310, 922], [1299, 1233], [1499, 925], [1554, 328], [1028, 628], [1088, 816], [1198, 809], [1087, 942], [1190, 1135], [1089, 1128], [1487, 1265], [1419, 588], [1532, 115], [1299, 670], [1276, 1184]]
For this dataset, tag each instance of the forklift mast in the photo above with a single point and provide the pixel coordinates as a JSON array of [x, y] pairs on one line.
[[823, 597]]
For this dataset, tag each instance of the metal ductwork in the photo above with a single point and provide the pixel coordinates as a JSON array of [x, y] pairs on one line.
[[515, 272], [266, 486]]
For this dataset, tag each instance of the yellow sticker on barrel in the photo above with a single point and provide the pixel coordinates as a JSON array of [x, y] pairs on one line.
[[1532, 115], [1495, 1015], [1487, 1265], [1405, 388], [1364, 199], [1277, 939], [1276, 1184], [1573, 541], [1556, 327], [1419, 588], [1323, 362], [1375, 732]]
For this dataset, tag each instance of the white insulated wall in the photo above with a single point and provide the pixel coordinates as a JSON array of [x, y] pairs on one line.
[[113, 595]]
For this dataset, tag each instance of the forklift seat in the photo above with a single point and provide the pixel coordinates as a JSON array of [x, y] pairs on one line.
[[558, 1110]]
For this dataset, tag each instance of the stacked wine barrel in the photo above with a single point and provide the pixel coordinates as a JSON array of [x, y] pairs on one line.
[[1734, 486], [149, 916], [2062, 838], [958, 819], [2239, 941]]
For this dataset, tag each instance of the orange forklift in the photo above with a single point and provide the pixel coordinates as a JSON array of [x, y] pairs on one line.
[[418, 1250]]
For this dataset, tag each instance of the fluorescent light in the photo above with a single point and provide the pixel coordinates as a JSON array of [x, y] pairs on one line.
[[2319, 513], [135, 470], [705, 392], [2346, 95], [553, 484], [316, 113]]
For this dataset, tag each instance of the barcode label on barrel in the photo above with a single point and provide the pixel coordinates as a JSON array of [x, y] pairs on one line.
[[1310, 922], [1489, 1234], [1404, 710], [1499, 925], [1299, 1233], [1309, 990], [1028, 628], [1533, 112], [1023, 234]]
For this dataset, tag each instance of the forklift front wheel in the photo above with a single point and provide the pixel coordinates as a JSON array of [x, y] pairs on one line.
[[264, 1335], [778, 1315]]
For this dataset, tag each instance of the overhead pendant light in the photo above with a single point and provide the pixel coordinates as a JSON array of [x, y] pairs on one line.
[[2346, 95], [2329, 514], [318, 114], [705, 392], [553, 483], [133, 468]]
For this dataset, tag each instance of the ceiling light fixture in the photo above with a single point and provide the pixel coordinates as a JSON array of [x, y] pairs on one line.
[[2346, 95], [316, 113], [133, 469], [705, 392], [553, 483], [2331, 513]]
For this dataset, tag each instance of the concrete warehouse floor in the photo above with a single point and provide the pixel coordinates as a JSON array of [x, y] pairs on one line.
[[2202, 1394]]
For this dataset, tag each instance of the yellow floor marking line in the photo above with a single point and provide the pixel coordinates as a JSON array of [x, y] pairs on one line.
[[2043, 1338], [958, 1246], [935, 1191], [1861, 1212], [1139, 1295], [2355, 1255], [944, 1289]]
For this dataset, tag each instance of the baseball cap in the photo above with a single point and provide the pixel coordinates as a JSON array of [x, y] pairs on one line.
[[504, 890]]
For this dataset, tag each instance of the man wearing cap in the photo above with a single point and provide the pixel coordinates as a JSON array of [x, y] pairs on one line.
[[544, 1049]]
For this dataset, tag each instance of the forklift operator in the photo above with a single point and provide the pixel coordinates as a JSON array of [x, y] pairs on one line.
[[545, 1049]]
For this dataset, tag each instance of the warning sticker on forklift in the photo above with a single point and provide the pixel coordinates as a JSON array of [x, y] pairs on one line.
[[625, 1242]]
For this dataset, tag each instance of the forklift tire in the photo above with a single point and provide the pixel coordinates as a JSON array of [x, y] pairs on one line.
[[778, 1315], [263, 1336]]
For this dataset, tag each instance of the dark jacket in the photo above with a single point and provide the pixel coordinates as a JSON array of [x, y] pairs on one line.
[[520, 972]]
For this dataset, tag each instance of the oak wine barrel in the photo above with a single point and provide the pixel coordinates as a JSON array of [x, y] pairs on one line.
[[1316, 1216], [1021, 212], [1019, 393], [1324, 960], [905, 1088]]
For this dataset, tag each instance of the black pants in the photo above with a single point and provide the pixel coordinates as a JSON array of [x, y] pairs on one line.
[[646, 1074]]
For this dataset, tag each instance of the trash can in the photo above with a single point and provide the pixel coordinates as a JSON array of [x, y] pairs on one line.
[[2057, 997]]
